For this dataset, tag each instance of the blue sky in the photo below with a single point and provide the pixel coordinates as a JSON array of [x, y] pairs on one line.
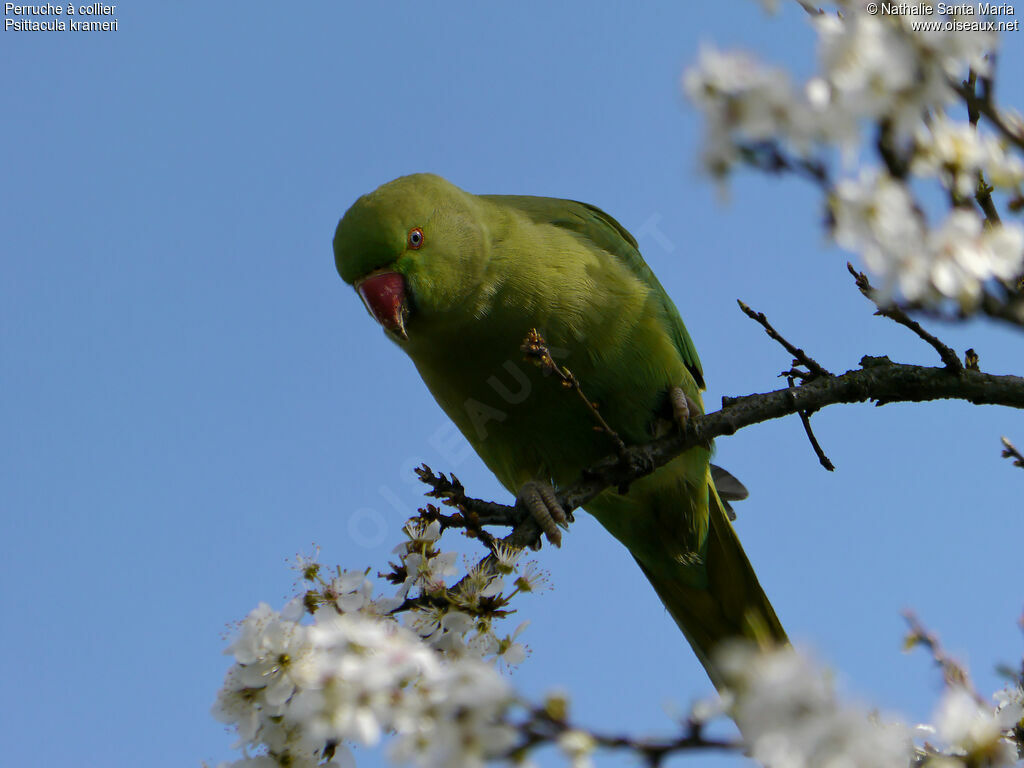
[[191, 395]]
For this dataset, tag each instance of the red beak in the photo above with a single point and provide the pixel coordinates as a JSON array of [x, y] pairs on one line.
[[383, 293]]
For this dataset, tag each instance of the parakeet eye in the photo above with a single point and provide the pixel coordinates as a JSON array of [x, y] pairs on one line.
[[415, 238]]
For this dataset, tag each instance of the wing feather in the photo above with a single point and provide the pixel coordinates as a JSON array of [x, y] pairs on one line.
[[609, 235]]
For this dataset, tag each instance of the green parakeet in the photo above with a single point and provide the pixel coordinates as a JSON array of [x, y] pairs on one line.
[[458, 280]]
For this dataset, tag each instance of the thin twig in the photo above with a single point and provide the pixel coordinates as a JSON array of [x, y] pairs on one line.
[[878, 379], [767, 156], [972, 108], [544, 728], [953, 673], [452, 493], [983, 191], [1010, 311], [896, 314], [813, 10], [536, 349], [799, 355], [985, 105], [805, 419], [896, 162], [983, 194], [1010, 452]]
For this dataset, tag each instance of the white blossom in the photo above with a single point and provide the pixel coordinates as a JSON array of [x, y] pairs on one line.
[[509, 651], [365, 667], [354, 674], [478, 584], [273, 654], [741, 99], [421, 534], [957, 152], [976, 730], [428, 571], [790, 716], [506, 557], [748, 96], [531, 578], [1011, 701], [238, 705], [876, 217], [578, 746], [871, 68], [963, 254], [953, 51], [351, 591], [308, 566], [461, 722], [364, 676]]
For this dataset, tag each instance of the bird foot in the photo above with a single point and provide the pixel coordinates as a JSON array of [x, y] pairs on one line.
[[538, 498], [683, 406]]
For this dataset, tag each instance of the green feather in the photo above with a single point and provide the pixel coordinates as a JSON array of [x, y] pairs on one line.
[[488, 269], [606, 233]]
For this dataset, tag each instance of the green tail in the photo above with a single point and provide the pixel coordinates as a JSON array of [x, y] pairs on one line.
[[714, 600], [733, 604]]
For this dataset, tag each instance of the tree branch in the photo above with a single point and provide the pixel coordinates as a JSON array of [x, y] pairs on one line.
[[545, 727], [798, 354], [536, 349], [1010, 311], [769, 157], [878, 379], [953, 672], [805, 419], [896, 314], [985, 106], [1010, 452]]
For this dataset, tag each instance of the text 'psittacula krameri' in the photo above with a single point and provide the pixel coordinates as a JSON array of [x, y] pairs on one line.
[[458, 280]]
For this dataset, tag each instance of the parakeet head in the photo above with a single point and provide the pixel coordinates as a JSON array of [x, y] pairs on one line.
[[413, 247]]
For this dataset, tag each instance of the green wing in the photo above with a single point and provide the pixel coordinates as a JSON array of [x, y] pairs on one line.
[[607, 234]]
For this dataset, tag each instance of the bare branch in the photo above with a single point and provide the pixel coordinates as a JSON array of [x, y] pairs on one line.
[[878, 379], [973, 115], [545, 727], [535, 348], [983, 191], [769, 157], [805, 419], [1010, 311], [798, 354], [811, 9], [896, 314], [953, 673], [983, 194], [452, 493], [1010, 452], [984, 105]]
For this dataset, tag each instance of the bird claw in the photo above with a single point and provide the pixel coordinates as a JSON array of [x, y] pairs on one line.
[[683, 406], [538, 498]]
